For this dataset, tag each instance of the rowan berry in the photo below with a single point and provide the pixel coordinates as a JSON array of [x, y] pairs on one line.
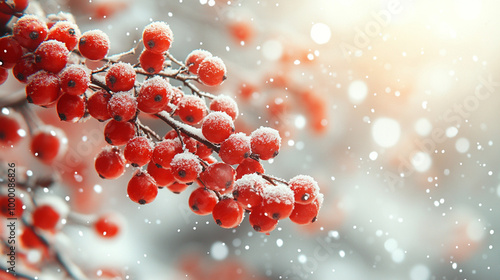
[[154, 94], [94, 44], [235, 148], [194, 59], [11, 207], [97, 105], [260, 222], [212, 71], [186, 167], [228, 213], [151, 62], [224, 103], [157, 37], [202, 201], [218, 177], [45, 217], [138, 151], [177, 187], [13, 6], [304, 214], [66, 32], [11, 131], [142, 188], [177, 95], [29, 239], [277, 201], [202, 150], [217, 127], [11, 52], [120, 77], [122, 106], [162, 176], [70, 108], [118, 133], [249, 166], [48, 143], [108, 226], [191, 109], [30, 31], [305, 188], [74, 79], [43, 88], [265, 142], [51, 56], [248, 190], [165, 151], [110, 163], [24, 68]]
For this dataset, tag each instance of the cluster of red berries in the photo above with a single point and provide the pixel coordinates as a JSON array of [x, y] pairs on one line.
[[51, 59]]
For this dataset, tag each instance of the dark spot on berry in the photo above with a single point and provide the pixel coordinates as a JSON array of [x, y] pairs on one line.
[[182, 173], [190, 119], [151, 43], [38, 59], [108, 140], [112, 79], [160, 187], [134, 164], [33, 35], [71, 31], [218, 222], [189, 184], [20, 77], [71, 83], [224, 78], [305, 197], [102, 177], [232, 129], [314, 219], [151, 70], [247, 154], [228, 184], [117, 118], [82, 41], [236, 193], [257, 228], [62, 117], [176, 192], [142, 201], [157, 165], [276, 216], [195, 207], [275, 153], [2, 135], [158, 98], [30, 100]]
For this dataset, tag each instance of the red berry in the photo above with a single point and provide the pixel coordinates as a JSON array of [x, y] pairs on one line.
[[24, 68], [30, 240], [202, 201], [186, 167], [51, 56], [157, 37], [45, 217], [162, 176], [224, 103], [118, 133], [189, 143], [30, 31], [248, 190], [177, 187], [304, 214], [138, 151], [11, 207], [11, 131], [70, 108], [249, 166], [151, 62], [177, 95], [122, 106], [11, 52], [66, 32], [94, 44], [277, 201], [217, 127], [43, 88], [228, 213], [108, 226], [142, 188], [165, 151], [305, 188], [202, 150], [191, 109], [265, 142], [218, 177], [154, 94], [4, 75], [212, 71], [194, 59], [97, 105], [120, 77], [109, 163], [260, 221], [75, 79], [13, 6], [47, 143], [235, 149]]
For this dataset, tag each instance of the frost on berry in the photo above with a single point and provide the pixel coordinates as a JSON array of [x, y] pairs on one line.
[[30, 31], [157, 37], [186, 167], [191, 109], [120, 77], [224, 103], [217, 127], [162, 176], [75, 79], [43, 88], [249, 166], [305, 188], [165, 151], [194, 59], [122, 106], [66, 32], [248, 190], [154, 95], [235, 148], [51, 56], [277, 201], [138, 151], [212, 71], [94, 44], [265, 142], [142, 188], [24, 68]]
